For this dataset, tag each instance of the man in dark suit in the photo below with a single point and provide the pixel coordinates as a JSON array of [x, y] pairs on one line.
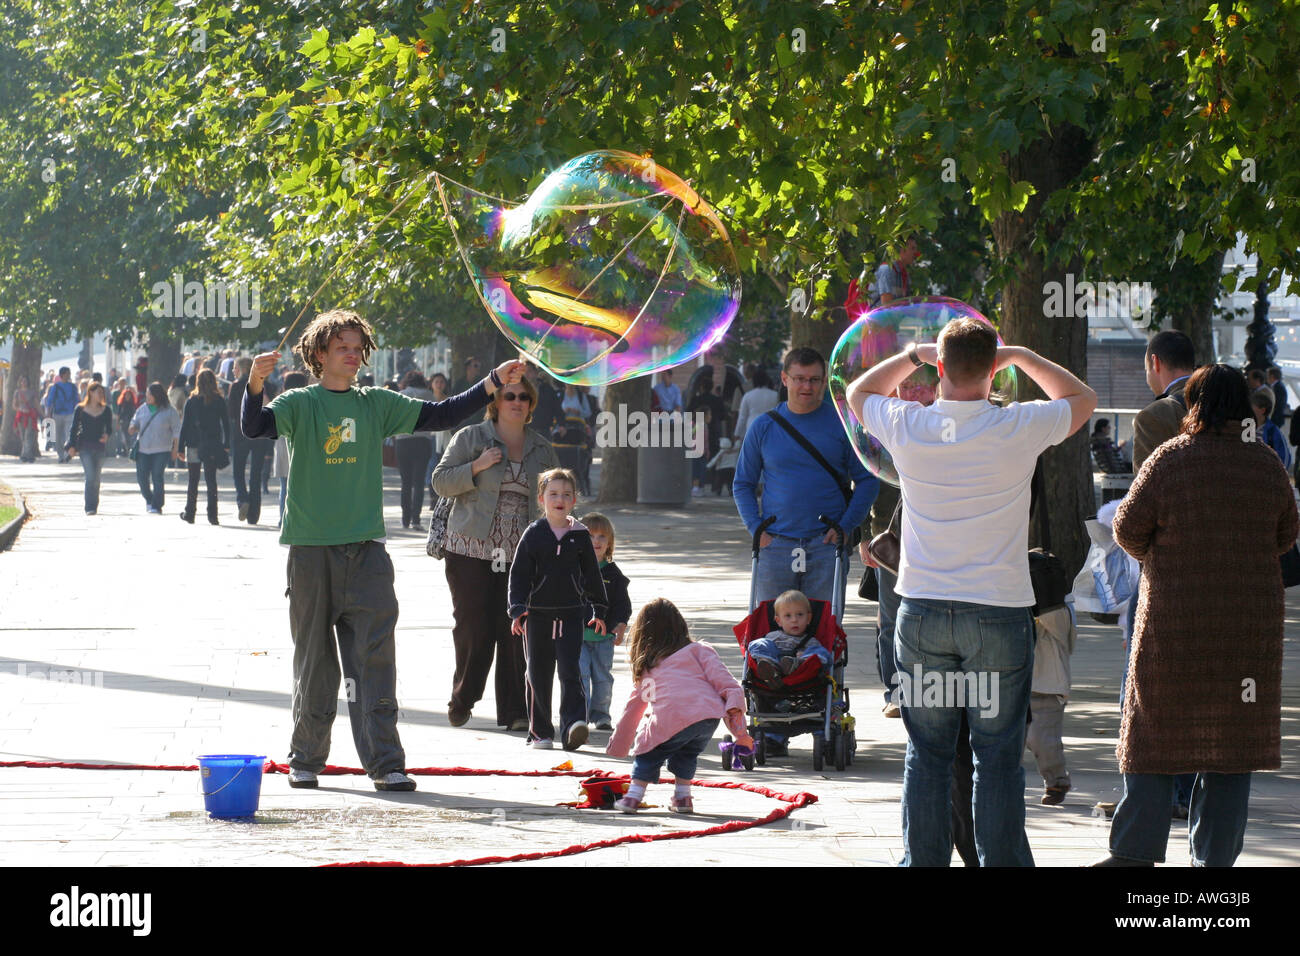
[[1279, 396], [249, 456], [1170, 361]]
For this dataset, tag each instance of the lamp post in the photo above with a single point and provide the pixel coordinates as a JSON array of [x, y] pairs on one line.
[[1260, 347]]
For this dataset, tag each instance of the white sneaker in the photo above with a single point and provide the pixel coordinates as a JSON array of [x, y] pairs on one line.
[[396, 780], [302, 780], [546, 744]]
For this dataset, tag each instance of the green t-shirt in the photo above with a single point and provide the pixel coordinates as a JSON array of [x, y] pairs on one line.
[[336, 490]]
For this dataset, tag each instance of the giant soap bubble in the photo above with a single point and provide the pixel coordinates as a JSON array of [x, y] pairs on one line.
[[886, 331], [613, 267]]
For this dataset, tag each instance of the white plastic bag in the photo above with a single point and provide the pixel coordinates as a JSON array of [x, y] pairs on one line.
[[1109, 577]]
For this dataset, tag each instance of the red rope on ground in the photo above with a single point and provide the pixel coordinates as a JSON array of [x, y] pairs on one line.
[[44, 764], [792, 801]]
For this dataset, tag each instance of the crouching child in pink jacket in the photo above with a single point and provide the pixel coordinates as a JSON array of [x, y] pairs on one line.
[[686, 689]]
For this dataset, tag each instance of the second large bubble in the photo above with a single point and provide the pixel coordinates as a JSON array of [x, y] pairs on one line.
[[886, 331]]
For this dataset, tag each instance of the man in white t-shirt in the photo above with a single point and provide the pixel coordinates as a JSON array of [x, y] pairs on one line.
[[964, 634]]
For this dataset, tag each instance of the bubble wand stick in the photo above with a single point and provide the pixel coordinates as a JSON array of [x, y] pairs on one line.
[[344, 258]]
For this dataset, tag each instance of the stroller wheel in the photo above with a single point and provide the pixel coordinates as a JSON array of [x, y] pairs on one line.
[[841, 751], [726, 753], [760, 746], [819, 748]]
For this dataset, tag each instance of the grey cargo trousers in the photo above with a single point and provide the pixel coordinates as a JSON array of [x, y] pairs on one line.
[[344, 589]]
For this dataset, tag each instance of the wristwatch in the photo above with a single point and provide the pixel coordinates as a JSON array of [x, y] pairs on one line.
[[911, 353]]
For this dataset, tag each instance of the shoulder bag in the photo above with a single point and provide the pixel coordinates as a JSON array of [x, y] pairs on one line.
[[845, 488], [435, 544]]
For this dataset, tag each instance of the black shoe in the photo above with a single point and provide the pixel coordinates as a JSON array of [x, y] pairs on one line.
[[395, 781], [212, 519], [576, 735], [302, 780], [457, 717], [187, 516], [1120, 861]]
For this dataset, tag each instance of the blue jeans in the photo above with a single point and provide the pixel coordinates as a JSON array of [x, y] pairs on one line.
[[681, 751], [149, 468], [597, 667], [62, 426], [92, 464], [888, 612], [1216, 825], [764, 649], [800, 564], [995, 644]]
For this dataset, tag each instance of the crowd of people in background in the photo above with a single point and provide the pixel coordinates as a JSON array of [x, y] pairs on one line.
[[488, 468]]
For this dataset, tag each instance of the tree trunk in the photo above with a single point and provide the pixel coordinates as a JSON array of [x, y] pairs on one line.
[[618, 463], [25, 362], [819, 329], [1049, 164], [164, 354], [1197, 321], [482, 344]]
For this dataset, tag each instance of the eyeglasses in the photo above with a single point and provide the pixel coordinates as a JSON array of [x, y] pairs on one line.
[[800, 381], [515, 397]]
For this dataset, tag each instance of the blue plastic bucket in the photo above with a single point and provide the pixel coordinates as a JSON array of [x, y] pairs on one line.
[[232, 784]]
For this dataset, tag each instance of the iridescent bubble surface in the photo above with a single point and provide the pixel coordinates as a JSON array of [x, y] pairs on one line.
[[613, 268], [886, 331]]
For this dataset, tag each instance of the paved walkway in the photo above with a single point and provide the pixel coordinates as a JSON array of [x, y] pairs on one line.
[[181, 634]]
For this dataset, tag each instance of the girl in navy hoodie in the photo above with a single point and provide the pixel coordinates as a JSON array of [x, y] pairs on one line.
[[555, 586]]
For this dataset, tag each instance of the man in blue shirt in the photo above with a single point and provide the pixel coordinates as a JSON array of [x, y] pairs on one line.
[[62, 399], [797, 552], [667, 395]]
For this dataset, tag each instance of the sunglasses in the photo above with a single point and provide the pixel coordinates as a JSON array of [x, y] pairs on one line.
[[515, 397]]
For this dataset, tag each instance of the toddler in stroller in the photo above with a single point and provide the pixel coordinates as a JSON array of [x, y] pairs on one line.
[[783, 651], [805, 692]]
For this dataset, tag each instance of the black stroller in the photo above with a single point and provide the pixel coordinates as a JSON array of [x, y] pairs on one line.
[[810, 701]]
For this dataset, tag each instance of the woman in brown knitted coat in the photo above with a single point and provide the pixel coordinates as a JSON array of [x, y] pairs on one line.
[[1208, 515]]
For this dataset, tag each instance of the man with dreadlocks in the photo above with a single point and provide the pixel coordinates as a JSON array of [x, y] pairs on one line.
[[340, 576]]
